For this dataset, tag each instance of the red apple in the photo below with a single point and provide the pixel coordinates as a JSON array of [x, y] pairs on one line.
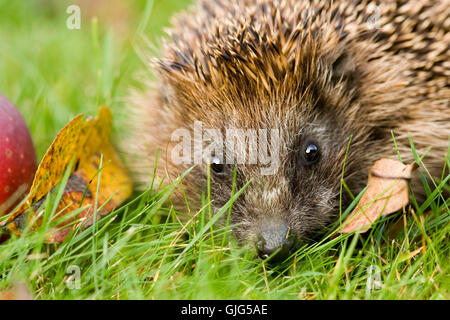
[[17, 157]]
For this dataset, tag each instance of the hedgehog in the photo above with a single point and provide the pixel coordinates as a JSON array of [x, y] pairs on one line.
[[334, 81]]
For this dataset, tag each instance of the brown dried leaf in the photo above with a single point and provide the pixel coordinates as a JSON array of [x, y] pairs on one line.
[[18, 291], [387, 193]]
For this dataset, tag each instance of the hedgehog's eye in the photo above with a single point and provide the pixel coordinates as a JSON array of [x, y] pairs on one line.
[[217, 167], [312, 153]]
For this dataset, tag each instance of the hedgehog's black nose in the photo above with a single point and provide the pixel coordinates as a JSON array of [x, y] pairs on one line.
[[275, 241]]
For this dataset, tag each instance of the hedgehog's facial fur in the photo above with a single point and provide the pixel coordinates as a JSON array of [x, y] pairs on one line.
[[301, 196]]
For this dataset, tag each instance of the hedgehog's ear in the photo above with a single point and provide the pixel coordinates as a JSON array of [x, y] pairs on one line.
[[343, 68]]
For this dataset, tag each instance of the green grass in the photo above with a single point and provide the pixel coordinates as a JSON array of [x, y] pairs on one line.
[[142, 250]]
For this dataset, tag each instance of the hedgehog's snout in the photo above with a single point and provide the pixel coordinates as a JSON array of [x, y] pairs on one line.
[[275, 241]]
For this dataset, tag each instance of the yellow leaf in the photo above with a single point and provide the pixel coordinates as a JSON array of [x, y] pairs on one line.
[[87, 142]]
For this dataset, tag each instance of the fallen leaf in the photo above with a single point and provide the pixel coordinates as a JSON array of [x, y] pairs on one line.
[[18, 291], [387, 193], [87, 144]]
